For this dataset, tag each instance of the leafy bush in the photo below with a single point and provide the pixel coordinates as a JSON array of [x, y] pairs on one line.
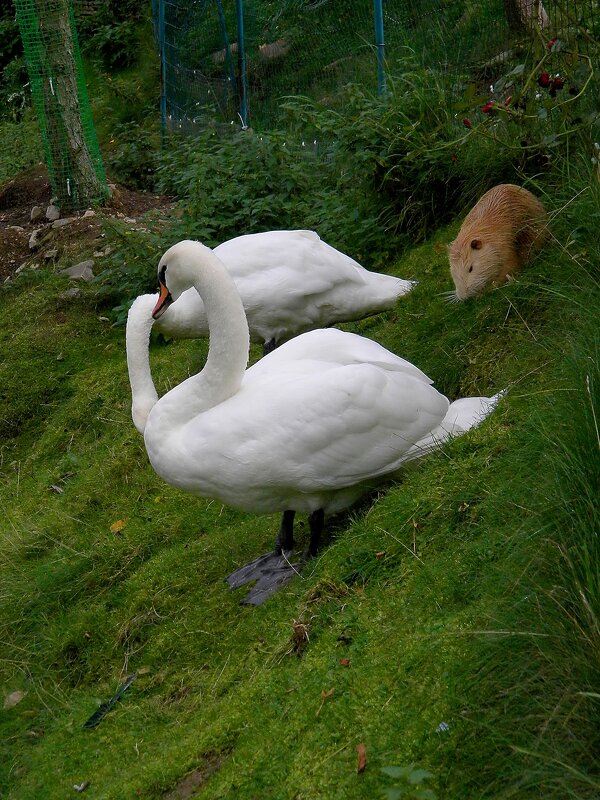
[[130, 269], [408, 147], [15, 159], [111, 33], [115, 44], [252, 182], [132, 153], [541, 104], [13, 74]]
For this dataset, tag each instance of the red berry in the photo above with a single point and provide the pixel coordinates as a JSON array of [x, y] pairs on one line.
[[487, 107], [551, 43], [544, 80], [557, 83], [467, 123]]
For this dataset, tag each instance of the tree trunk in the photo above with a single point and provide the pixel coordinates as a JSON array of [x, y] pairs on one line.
[[522, 15], [58, 86]]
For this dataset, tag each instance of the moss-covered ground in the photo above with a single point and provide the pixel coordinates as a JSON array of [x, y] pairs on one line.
[[449, 623]]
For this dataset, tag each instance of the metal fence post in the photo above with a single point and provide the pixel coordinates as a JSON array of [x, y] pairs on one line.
[[242, 64], [163, 67], [378, 14]]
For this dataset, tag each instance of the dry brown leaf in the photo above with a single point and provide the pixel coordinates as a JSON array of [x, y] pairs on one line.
[[118, 526], [361, 752], [13, 699]]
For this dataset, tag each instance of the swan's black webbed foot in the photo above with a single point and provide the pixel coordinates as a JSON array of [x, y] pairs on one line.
[[274, 576], [274, 570]]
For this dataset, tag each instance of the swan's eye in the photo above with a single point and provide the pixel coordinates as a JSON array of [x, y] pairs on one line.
[[471, 268], [162, 274]]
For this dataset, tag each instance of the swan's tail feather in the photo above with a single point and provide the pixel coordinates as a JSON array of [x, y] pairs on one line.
[[462, 415]]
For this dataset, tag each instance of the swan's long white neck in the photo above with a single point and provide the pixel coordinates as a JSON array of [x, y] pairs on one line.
[[229, 339], [137, 338]]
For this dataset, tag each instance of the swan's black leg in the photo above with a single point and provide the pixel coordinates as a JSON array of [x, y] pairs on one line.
[[285, 537], [316, 523], [269, 346]]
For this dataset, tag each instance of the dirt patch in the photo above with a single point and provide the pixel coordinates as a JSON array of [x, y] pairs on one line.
[[194, 780], [32, 188]]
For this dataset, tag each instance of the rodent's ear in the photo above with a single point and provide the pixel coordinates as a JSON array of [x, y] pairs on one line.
[[475, 244]]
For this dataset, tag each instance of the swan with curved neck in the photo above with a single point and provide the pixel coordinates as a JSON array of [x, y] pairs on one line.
[[309, 428], [290, 282]]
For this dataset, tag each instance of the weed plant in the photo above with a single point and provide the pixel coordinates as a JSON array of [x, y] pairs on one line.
[[14, 160]]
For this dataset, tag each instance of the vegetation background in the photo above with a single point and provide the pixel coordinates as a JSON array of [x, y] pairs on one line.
[[446, 642]]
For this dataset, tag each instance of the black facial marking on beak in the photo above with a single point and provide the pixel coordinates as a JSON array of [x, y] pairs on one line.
[[164, 299]]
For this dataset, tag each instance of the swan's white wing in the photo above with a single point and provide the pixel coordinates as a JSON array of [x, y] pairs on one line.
[[291, 281], [316, 432], [332, 347]]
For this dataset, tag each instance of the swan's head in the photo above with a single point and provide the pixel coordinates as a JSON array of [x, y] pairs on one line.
[[177, 271]]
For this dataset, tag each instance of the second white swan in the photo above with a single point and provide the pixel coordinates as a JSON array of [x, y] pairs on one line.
[[289, 282]]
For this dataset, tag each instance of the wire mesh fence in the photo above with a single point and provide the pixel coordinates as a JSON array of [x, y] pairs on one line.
[[234, 60], [61, 101]]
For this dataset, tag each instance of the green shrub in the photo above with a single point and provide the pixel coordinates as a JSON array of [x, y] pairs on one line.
[[15, 159], [253, 182]]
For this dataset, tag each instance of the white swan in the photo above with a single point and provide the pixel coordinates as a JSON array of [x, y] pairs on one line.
[[311, 427], [289, 282]]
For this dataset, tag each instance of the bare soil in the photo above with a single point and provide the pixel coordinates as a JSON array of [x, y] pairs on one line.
[[32, 188]]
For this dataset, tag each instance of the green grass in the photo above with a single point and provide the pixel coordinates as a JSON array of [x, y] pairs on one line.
[[466, 593]]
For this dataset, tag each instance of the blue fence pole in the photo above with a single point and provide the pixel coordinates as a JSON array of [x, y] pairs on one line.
[[163, 67], [228, 59], [378, 9], [242, 64]]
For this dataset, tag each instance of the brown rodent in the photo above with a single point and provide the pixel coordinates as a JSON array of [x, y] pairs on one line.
[[497, 237]]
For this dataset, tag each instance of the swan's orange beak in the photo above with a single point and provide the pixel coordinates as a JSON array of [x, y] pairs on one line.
[[163, 302]]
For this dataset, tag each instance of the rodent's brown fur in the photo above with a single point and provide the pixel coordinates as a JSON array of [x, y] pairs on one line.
[[498, 236]]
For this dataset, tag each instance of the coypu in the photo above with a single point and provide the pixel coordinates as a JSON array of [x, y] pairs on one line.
[[497, 237]]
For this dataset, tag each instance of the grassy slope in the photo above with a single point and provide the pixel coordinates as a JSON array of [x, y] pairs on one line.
[[401, 591]]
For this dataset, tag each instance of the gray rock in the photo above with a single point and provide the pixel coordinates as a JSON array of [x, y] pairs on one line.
[[51, 254], [89, 213], [37, 212], [16, 228], [79, 272], [52, 212], [59, 223], [34, 239], [71, 294]]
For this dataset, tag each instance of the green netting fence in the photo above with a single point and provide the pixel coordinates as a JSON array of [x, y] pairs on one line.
[[61, 101], [234, 60]]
